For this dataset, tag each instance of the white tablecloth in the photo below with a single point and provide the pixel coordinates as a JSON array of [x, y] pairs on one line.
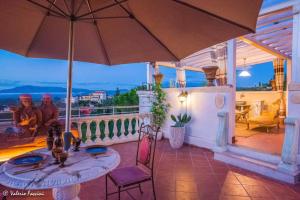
[[80, 167]]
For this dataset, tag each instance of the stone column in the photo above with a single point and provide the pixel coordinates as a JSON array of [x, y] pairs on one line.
[[149, 75], [231, 81], [221, 60], [180, 75], [294, 86]]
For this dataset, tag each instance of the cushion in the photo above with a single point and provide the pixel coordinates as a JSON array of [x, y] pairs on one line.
[[144, 150], [129, 175]]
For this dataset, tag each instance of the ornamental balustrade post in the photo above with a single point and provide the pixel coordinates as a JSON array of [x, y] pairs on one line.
[[122, 136], [130, 127], [290, 150], [79, 124], [136, 127], [88, 132], [106, 132], [98, 132], [115, 129], [222, 133]]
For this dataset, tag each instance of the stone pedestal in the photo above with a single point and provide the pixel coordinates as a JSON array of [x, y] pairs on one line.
[[146, 99]]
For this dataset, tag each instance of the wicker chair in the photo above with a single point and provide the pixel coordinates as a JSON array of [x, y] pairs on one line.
[[268, 119]]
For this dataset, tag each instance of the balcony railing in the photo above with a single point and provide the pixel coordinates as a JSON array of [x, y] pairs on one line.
[[110, 129], [6, 116]]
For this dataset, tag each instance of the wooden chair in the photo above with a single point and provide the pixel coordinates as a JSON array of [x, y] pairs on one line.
[[131, 177]]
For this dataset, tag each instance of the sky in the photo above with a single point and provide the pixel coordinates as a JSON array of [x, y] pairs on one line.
[[17, 70]]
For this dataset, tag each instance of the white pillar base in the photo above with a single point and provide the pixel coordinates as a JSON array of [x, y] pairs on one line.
[[66, 193]]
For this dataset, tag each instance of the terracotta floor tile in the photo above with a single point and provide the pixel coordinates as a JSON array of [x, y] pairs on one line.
[[186, 186], [227, 197], [246, 180], [166, 195], [189, 173], [186, 196], [258, 191], [226, 179], [234, 190]]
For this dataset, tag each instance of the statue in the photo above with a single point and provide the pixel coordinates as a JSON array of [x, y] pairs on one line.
[[27, 117], [49, 113]]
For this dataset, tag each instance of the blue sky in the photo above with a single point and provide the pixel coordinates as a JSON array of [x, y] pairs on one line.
[[17, 70]]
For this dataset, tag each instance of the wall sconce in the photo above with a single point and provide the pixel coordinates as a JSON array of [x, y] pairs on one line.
[[182, 96]]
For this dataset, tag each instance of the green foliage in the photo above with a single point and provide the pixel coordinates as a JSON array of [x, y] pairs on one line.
[[181, 120], [159, 108], [127, 99]]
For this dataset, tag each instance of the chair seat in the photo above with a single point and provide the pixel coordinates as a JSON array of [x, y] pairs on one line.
[[129, 175]]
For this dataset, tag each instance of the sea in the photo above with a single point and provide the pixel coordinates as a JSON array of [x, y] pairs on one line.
[[13, 98]]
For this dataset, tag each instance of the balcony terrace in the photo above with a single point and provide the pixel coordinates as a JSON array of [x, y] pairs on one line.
[[189, 173]]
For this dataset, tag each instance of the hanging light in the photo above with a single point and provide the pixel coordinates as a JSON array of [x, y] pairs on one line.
[[245, 72], [182, 96]]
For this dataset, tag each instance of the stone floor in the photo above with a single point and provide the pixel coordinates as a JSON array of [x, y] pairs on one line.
[[259, 140], [190, 173]]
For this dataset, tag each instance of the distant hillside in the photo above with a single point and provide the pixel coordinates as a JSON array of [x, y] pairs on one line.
[[39, 89]]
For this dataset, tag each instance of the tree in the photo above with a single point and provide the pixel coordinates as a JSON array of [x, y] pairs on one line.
[[117, 92]]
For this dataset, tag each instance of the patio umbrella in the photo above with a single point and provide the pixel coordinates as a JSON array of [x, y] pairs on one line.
[[120, 31]]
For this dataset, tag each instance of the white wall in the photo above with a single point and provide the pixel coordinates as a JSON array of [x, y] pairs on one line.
[[202, 129]]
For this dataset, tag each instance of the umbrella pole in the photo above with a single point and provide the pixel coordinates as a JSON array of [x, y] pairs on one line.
[[68, 134]]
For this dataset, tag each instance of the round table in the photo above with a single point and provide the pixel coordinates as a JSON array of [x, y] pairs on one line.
[[65, 182]]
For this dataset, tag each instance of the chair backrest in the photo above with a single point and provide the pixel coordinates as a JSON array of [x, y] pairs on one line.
[[146, 146]]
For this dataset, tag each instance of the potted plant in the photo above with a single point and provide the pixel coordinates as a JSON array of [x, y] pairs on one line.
[[159, 108], [178, 130]]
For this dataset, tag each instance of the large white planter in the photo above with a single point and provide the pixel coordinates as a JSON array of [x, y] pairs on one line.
[[176, 137]]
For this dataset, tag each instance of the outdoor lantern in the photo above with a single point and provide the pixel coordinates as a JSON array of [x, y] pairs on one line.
[[182, 96], [245, 72]]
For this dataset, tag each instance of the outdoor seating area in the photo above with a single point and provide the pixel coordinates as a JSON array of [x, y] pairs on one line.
[[188, 173], [233, 134]]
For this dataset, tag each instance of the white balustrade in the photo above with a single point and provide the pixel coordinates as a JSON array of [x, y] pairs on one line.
[[139, 118]]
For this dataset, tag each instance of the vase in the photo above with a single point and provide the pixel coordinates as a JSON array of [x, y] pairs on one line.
[[176, 138], [210, 74], [158, 78]]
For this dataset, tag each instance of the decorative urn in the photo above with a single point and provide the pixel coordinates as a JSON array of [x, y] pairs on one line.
[[210, 74]]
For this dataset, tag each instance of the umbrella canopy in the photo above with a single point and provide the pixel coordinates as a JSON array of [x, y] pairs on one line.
[[122, 31]]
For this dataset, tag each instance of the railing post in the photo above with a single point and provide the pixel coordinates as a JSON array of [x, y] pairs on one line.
[[98, 132], [122, 136], [290, 150], [222, 133], [130, 126], [88, 131], [115, 130], [106, 132], [79, 123]]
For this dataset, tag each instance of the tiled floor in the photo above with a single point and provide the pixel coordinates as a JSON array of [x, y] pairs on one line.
[[191, 173], [258, 139]]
